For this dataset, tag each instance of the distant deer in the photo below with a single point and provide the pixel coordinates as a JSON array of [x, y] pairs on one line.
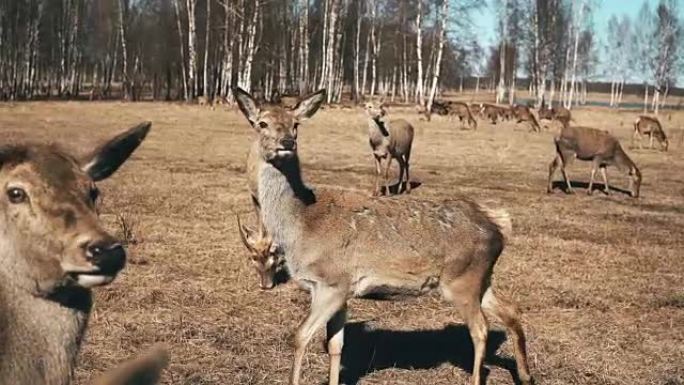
[[389, 139], [53, 250], [524, 114], [202, 101], [494, 112], [462, 110], [423, 112], [597, 146], [340, 244], [647, 125], [263, 253]]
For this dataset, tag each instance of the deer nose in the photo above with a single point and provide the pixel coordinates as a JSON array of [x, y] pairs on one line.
[[288, 143], [109, 257]]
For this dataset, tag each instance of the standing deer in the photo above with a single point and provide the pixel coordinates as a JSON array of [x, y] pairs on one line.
[[462, 110], [389, 139], [53, 250], [340, 244], [647, 125], [599, 147]]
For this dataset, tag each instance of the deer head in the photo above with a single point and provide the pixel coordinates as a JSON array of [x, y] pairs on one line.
[[277, 126], [50, 231], [263, 253]]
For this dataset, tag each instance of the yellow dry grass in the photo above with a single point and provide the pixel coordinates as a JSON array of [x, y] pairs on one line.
[[599, 279]]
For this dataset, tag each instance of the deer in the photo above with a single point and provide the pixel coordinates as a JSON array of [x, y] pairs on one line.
[[648, 125], [203, 101], [494, 112], [263, 253], [597, 146], [53, 253], [389, 139], [462, 110], [339, 244], [524, 114]]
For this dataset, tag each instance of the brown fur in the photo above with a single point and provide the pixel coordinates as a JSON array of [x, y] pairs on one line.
[[263, 253], [462, 110], [494, 112], [648, 125], [340, 244], [597, 146], [142, 370], [52, 251], [524, 114]]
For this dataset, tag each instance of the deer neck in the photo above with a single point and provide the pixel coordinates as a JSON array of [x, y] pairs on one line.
[[283, 197], [378, 128], [39, 335]]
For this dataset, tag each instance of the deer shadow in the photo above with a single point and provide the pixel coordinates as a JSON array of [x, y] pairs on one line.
[[585, 185], [368, 350], [396, 188]]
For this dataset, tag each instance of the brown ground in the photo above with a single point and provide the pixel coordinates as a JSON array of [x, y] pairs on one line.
[[600, 279]]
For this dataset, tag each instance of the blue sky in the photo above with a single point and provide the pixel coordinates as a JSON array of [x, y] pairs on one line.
[[485, 20]]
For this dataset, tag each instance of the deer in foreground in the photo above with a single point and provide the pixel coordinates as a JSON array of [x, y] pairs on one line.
[[263, 253], [53, 250], [647, 125], [597, 146], [340, 244], [462, 110], [389, 139]]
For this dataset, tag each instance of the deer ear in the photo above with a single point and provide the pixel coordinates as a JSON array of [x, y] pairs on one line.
[[308, 106], [246, 234], [107, 158], [247, 105]]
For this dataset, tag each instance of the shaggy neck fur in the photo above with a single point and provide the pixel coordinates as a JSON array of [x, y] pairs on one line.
[[377, 125], [40, 334], [282, 196]]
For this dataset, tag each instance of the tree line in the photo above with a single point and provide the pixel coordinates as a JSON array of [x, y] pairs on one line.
[[408, 50]]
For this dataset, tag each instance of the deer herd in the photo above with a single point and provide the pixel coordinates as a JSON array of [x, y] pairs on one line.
[[335, 243]]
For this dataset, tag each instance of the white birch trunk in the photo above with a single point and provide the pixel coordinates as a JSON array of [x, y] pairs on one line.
[[420, 97], [440, 50]]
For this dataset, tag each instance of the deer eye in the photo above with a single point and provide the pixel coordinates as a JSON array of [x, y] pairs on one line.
[[263, 124], [16, 195]]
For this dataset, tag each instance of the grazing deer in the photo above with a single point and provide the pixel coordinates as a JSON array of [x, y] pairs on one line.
[[597, 146], [647, 125], [340, 244], [53, 250], [524, 114], [263, 253], [462, 110], [389, 139]]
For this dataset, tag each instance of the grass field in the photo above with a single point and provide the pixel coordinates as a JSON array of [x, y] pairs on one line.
[[600, 279]]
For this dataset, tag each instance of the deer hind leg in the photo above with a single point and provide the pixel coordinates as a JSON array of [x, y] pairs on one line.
[[594, 166], [378, 172], [407, 157], [335, 342], [606, 188], [552, 169], [402, 167], [326, 302], [509, 315]]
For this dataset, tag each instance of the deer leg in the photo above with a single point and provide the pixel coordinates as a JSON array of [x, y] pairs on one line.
[[400, 185], [326, 301], [650, 144], [566, 159], [335, 337], [552, 169], [591, 179], [509, 315], [387, 168], [408, 179], [378, 172], [606, 188]]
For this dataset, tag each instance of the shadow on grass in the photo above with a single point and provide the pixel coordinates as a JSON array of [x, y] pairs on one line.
[[558, 184], [396, 188], [367, 350]]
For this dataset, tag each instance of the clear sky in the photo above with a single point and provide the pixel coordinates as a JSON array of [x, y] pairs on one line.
[[485, 20]]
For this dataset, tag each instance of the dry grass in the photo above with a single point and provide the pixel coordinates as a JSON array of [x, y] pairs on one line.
[[600, 279]]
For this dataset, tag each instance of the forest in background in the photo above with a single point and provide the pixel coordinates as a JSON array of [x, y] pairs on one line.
[[405, 50]]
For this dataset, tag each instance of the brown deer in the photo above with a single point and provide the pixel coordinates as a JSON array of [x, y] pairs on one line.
[[389, 139], [53, 251], [524, 114], [263, 253], [462, 110], [202, 101], [340, 244], [597, 146], [648, 125], [494, 112]]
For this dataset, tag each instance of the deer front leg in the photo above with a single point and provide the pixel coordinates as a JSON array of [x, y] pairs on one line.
[[552, 169], [325, 302], [591, 179], [335, 338], [378, 172], [387, 168], [650, 143], [408, 179]]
